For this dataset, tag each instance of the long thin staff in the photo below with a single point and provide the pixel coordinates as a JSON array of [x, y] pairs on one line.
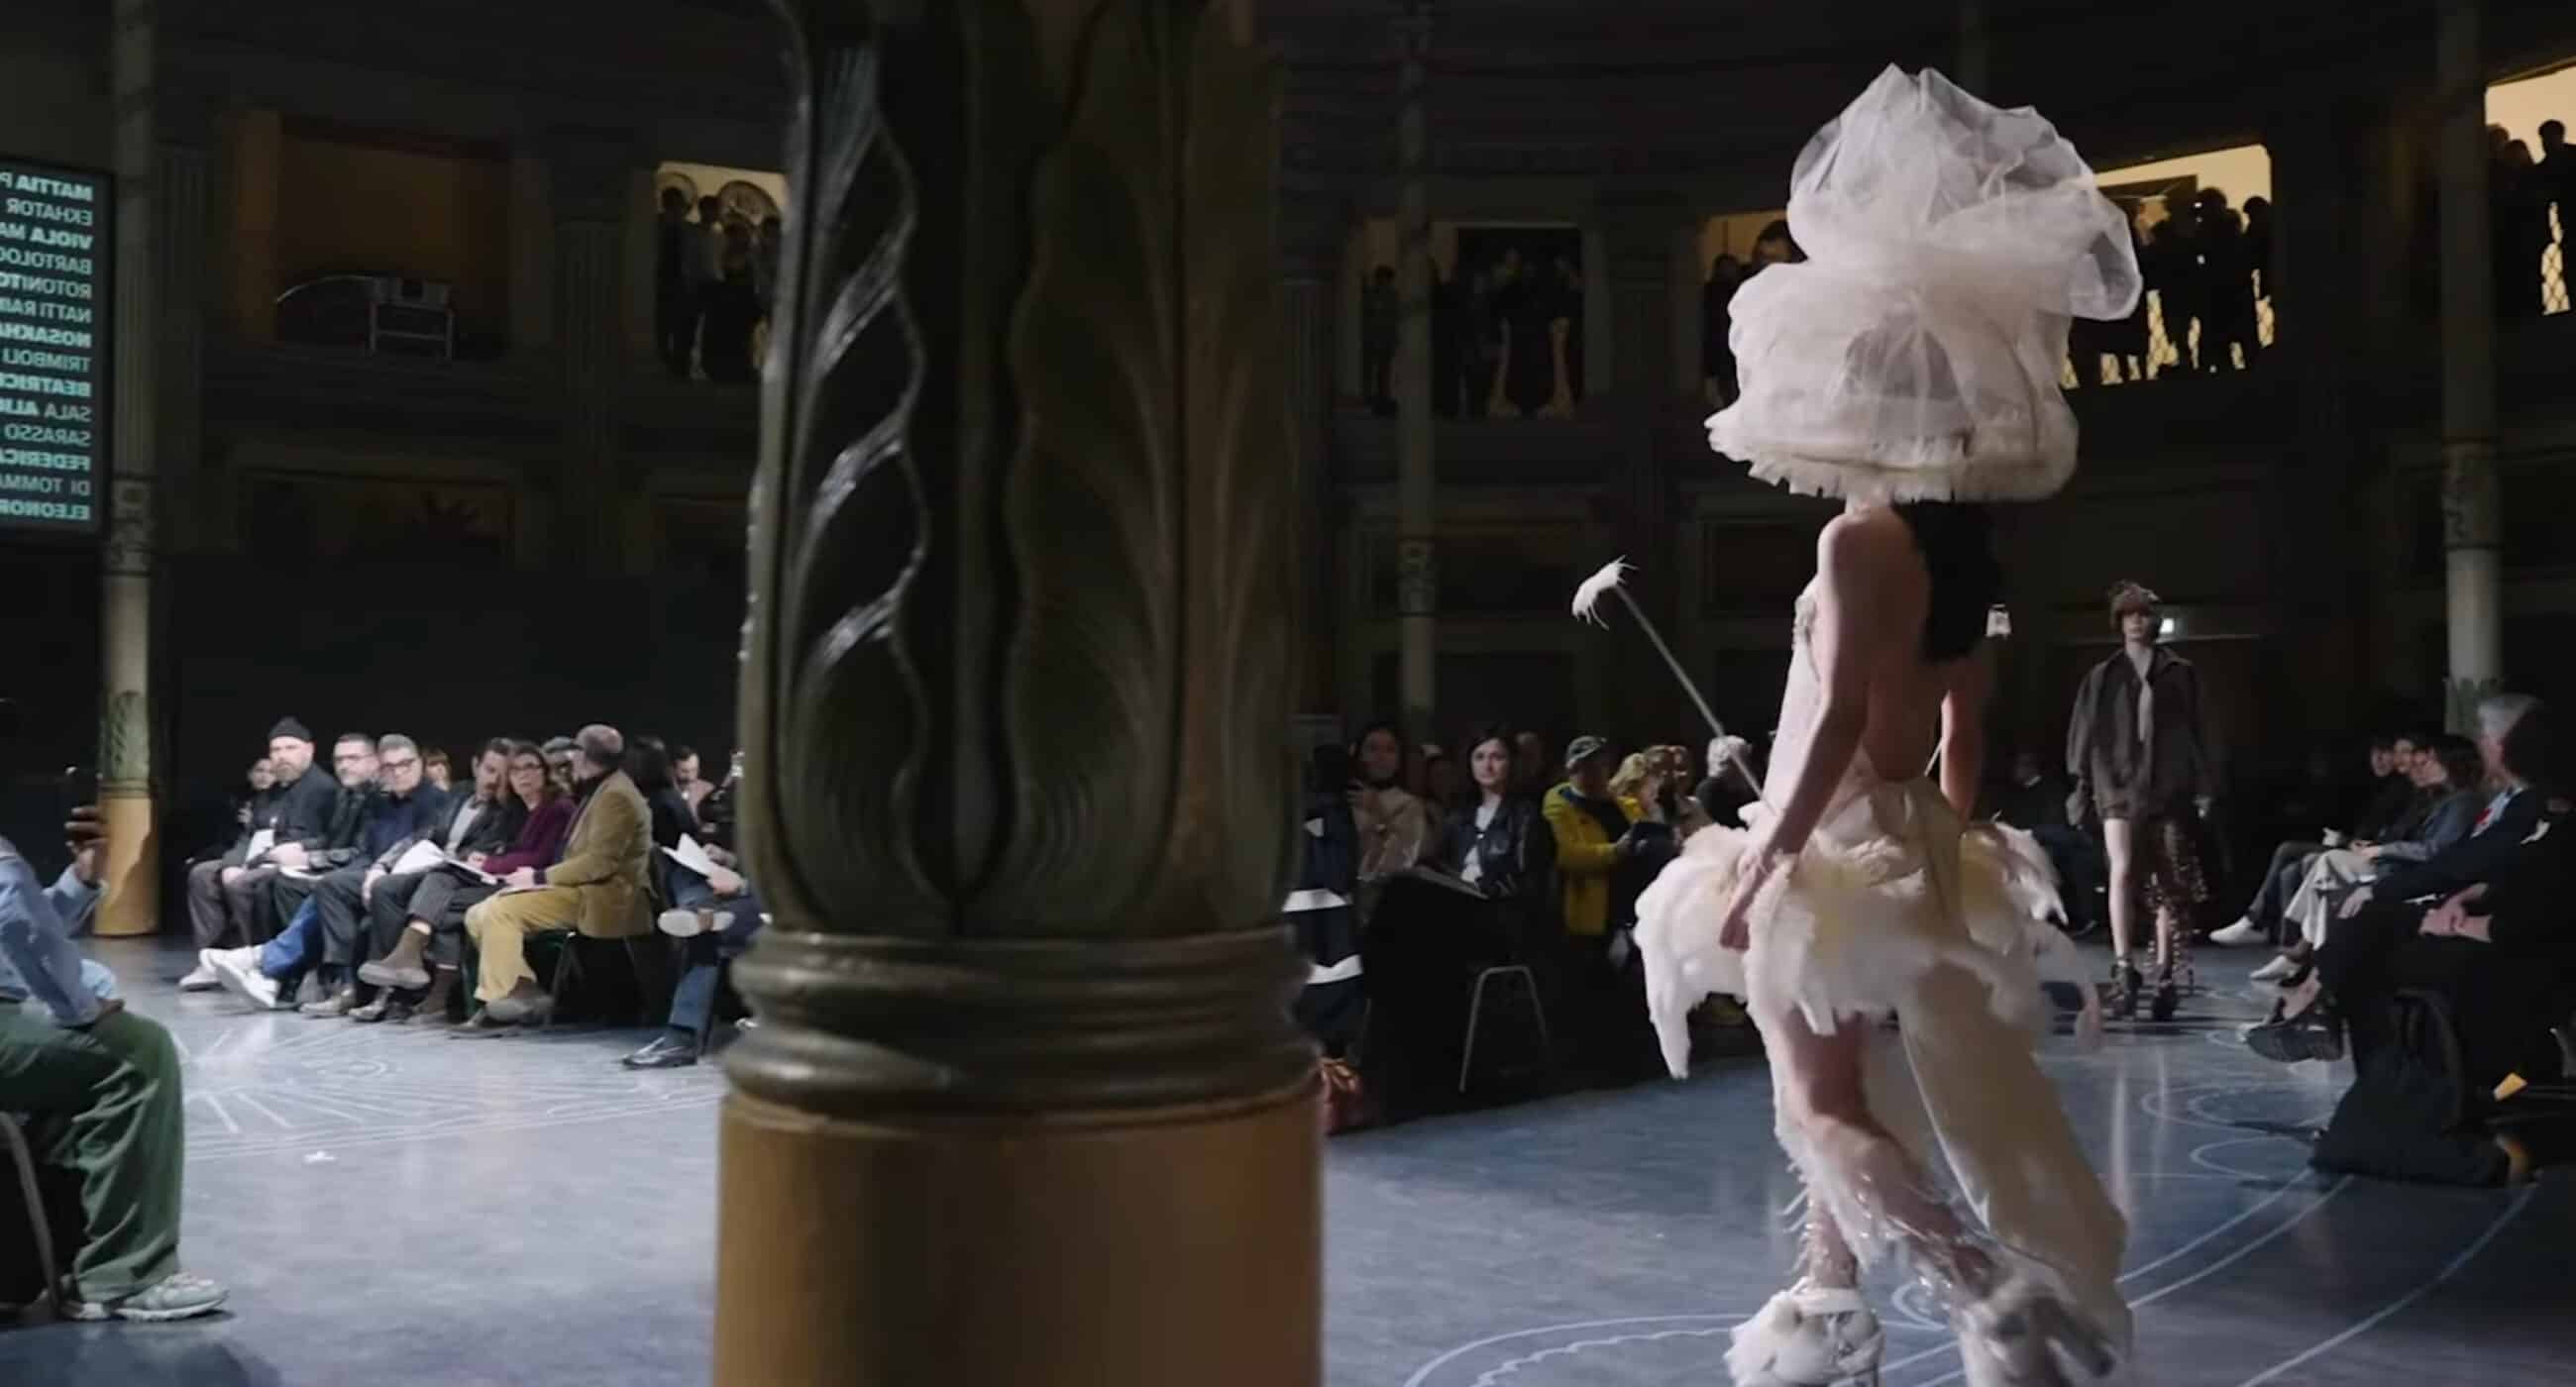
[[1587, 600]]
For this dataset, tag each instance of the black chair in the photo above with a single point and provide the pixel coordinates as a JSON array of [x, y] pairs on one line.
[[47, 1304]]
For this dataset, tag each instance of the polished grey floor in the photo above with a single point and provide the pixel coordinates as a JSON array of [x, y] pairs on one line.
[[390, 1205]]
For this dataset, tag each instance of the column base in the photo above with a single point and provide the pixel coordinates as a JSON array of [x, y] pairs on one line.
[[1170, 1248], [131, 901]]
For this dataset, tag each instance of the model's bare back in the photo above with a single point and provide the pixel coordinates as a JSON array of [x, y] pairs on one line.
[[1906, 691]]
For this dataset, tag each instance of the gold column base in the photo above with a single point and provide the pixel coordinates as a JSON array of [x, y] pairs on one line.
[[1169, 1248], [131, 879]]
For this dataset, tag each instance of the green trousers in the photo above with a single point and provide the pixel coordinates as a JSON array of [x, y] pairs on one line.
[[104, 1103]]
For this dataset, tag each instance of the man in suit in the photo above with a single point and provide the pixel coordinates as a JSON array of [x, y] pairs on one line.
[[597, 888]]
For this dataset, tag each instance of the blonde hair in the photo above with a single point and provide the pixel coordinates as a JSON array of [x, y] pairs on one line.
[[1631, 777]]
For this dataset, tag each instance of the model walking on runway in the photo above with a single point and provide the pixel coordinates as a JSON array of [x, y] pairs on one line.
[[1910, 367]]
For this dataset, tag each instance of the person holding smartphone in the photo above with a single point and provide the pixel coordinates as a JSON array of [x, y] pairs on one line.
[[102, 1087]]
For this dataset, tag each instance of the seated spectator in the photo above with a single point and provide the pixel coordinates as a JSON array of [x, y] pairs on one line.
[[1441, 787], [716, 809], [717, 915], [715, 912], [597, 889], [414, 922], [2451, 772], [225, 896], [559, 759], [1606, 853], [1529, 765], [693, 787], [1321, 909], [405, 813], [1431, 936], [1723, 791], [434, 768], [1500, 844], [301, 865], [649, 764], [2396, 811], [404, 809], [262, 781], [103, 1087], [2514, 738], [1394, 825], [2035, 802]]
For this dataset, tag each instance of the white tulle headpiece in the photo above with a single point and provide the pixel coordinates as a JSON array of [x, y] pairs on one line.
[[1915, 354]]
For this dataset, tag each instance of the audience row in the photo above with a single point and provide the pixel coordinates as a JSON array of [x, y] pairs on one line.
[[372, 882]]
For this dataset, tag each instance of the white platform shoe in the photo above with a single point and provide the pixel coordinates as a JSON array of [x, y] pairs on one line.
[[1809, 1336], [2021, 1335]]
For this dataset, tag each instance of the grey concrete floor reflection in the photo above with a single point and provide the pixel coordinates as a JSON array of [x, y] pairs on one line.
[[390, 1205]]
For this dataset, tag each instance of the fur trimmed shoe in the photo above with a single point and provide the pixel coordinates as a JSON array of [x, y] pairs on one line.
[[1809, 1336], [2022, 1335]]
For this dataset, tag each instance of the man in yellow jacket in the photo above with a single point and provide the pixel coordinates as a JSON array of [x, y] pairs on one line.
[[596, 888], [1598, 838], [1595, 835]]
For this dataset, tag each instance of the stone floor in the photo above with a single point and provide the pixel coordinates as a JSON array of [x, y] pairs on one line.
[[390, 1205]]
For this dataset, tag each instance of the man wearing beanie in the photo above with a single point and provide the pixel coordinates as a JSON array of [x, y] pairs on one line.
[[223, 894]]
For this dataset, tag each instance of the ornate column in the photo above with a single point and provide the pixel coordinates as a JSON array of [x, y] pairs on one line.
[[1307, 261], [132, 903], [1025, 1106], [589, 183], [532, 253], [1641, 237], [1417, 577], [1975, 51], [2471, 532]]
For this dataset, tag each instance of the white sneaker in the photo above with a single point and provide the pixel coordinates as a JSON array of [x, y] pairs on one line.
[[686, 924], [2276, 970], [2244, 934], [242, 976], [203, 979]]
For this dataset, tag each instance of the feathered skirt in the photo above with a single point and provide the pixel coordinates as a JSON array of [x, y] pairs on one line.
[[1895, 909]]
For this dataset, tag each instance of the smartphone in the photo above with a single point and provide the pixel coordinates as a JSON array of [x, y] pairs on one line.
[[79, 789]]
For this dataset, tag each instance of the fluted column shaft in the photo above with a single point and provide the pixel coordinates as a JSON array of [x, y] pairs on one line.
[[1025, 1106]]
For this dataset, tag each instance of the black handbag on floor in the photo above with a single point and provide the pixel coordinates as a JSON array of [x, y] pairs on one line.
[[2409, 1114]]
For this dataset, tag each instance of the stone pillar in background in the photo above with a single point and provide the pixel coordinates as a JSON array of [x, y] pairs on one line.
[[2471, 522], [590, 179], [1417, 574], [1307, 261], [1642, 237], [532, 253], [1976, 63], [132, 903], [1025, 1108], [256, 138]]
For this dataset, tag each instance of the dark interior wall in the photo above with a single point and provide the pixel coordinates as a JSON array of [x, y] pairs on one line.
[[54, 102], [447, 655]]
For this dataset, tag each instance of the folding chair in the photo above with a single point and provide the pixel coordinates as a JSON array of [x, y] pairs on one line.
[[1476, 1014], [48, 1304]]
